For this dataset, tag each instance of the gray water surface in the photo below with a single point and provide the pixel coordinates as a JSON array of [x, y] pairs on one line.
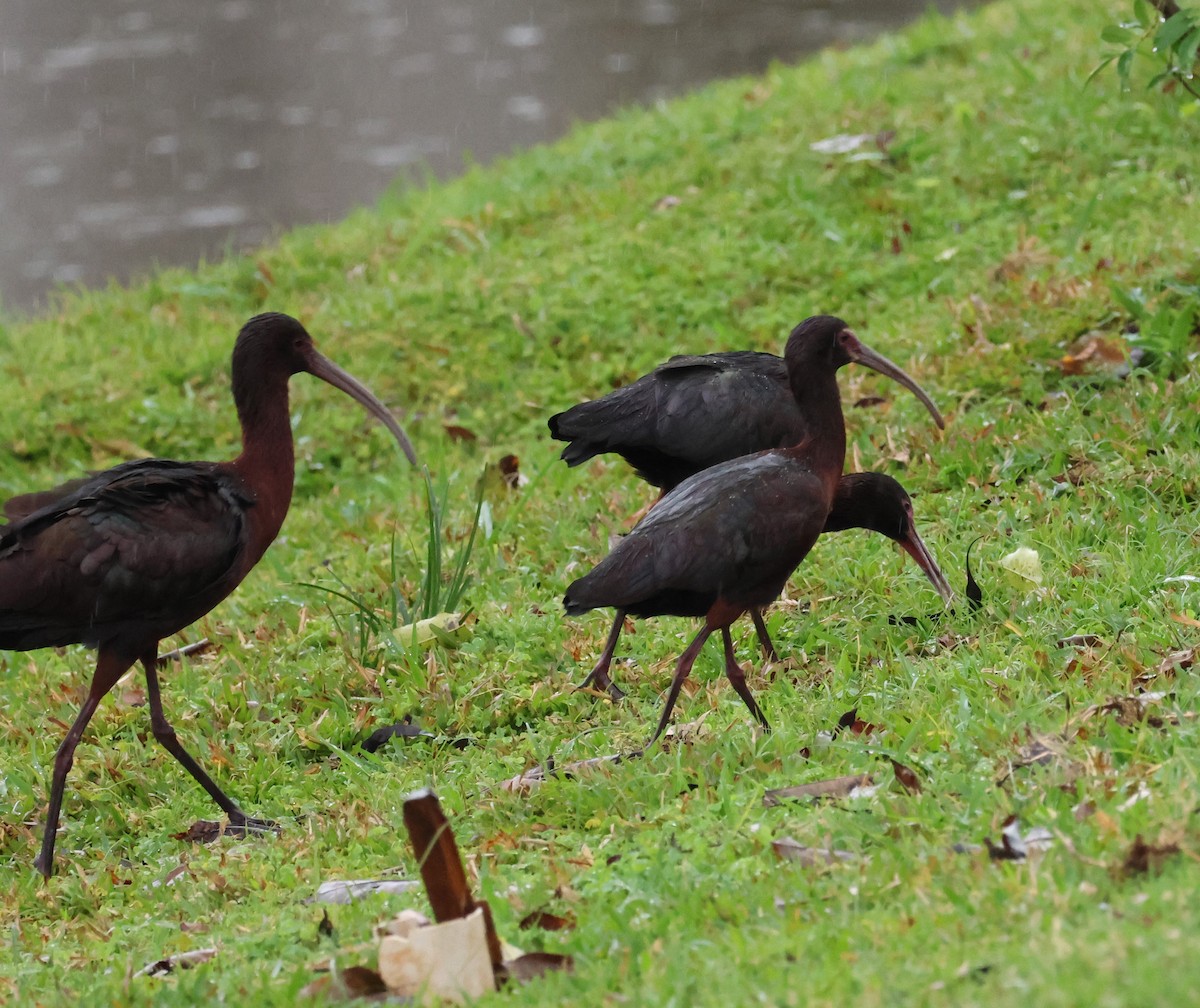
[[138, 133]]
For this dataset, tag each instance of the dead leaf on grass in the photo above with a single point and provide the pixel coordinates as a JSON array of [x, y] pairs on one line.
[[402, 729], [181, 960], [348, 890], [206, 831], [1015, 845], [1142, 857], [546, 921], [906, 777], [534, 777], [345, 984], [532, 965], [1080, 641], [788, 849], [456, 433], [850, 722], [1096, 351], [853, 785]]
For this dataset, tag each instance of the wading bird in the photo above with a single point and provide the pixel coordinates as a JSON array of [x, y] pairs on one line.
[[725, 540], [868, 500], [123, 558]]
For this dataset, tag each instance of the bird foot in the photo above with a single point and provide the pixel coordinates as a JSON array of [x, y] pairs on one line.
[[206, 831], [599, 685], [250, 826]]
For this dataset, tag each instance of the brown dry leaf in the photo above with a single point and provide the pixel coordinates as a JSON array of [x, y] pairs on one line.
[[456, 433], [1177, 661], [1143, 857], [510, 470], [532, 965], [788, 849], [547, 921], [206, 831], [907, 777], [850, 721], [834, 787], [534, 777], [182, 960], [1095, 351], [344, 985]]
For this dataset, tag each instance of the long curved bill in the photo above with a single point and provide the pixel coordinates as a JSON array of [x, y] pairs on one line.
[[320, 366], [860, 353], [911, 543]]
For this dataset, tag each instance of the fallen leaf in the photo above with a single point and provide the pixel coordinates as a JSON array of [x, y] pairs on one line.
[[349, 890], [206, 831], [510, 470], [1079, 641], [835, 787], [447, 628], [532, 965], [1025, 563], [447, 960], [788, 849], [346, 984], [456, 433], [199, 647], [546, 921], [850, 722], [402, 729], [907, 777], [182, 960], [1142, 857], [1015, 846], [1095, 351], [842, 143], [325, 925], [536, 776]]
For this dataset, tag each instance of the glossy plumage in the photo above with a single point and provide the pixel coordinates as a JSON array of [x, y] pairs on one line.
[[695, 411], [120, 559], [725, 540], [873, 501]]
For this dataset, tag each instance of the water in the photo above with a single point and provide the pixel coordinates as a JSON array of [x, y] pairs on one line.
[[136, 133]]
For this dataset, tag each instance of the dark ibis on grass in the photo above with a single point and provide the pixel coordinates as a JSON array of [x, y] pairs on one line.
[[725, 540], [697, 410], [123, 558], [868, 500]]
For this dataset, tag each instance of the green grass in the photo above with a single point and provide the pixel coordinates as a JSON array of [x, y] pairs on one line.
[[1014, 211]]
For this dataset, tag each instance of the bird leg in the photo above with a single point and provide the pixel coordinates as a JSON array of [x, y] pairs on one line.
[[240, 824], [737, 678], [599, 678], [109, 668], [764, 638], [682, 668]]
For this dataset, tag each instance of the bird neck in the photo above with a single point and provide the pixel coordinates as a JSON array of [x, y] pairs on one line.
[[267, 462], [820, 405]]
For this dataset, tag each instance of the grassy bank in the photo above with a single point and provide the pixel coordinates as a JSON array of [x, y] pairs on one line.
[[999, 237]]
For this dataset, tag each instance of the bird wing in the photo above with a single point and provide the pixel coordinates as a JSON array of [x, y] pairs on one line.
[[141, 542], [689, 413]]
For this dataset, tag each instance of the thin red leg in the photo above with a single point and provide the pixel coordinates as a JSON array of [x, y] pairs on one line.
[[239, 822], [737, 678], [682, 669], [599, 677], [764, 638], [109, 668]]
